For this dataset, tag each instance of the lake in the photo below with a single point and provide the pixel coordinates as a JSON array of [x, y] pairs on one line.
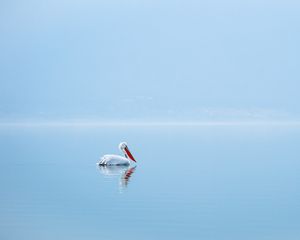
[[190, 182]]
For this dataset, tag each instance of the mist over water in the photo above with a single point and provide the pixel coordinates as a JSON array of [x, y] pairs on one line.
[[205, 93], [208, 182]]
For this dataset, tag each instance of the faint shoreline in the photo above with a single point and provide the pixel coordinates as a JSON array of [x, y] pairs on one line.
[[86, 123]]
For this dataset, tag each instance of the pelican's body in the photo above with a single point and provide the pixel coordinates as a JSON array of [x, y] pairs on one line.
[[116, 160]]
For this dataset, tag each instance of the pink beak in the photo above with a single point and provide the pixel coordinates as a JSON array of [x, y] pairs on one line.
[[129, 154]]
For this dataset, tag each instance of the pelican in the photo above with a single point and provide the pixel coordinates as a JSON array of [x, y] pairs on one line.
[[116, 160]]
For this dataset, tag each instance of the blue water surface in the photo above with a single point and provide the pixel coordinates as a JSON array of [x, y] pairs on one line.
[[194, 182]]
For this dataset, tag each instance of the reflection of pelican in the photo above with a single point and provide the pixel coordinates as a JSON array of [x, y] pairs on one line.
[[113, 170], [126, 176], [116, 160], [124, 171]]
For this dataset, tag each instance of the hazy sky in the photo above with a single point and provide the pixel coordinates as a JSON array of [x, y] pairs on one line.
[[149, 59]]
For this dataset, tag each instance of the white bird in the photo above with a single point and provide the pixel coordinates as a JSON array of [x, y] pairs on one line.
[[116, 160]]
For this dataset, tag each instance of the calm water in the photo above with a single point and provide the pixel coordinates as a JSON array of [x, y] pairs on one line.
[[190, 183]]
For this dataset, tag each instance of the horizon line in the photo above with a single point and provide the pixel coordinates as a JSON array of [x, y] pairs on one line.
[[80, 123]]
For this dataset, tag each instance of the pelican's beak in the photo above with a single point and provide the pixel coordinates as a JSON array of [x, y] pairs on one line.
[[129, 154]]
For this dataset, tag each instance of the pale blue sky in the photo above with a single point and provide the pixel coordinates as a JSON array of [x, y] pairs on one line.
[[149, 59]]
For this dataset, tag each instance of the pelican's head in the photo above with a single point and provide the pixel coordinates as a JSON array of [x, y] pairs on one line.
[[124, 148]]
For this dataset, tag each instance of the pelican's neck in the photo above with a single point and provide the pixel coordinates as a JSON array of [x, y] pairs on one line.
[[125, 153]]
